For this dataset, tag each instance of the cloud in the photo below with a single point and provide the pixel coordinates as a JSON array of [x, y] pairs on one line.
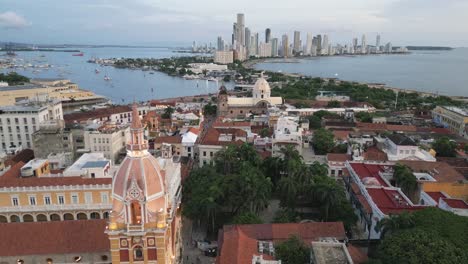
[[12, 20]]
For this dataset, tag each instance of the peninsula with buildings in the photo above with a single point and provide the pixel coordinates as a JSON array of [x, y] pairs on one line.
[[281, 169]]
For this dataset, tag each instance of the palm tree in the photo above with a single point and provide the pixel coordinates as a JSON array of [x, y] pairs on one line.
[[405, 179], [328, 194], [393, 223], [288, 187]]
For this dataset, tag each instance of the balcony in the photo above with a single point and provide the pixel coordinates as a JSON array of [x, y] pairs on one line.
[[55, 208]]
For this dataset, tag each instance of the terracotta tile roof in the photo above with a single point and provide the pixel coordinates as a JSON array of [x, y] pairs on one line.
[[238, 243], [386, 201], [212, 136], [168, 140], [219, 123], [60, 237], [385, 127], [12, 178], [194, 130], [97, 113], [441, 130], [357, 255], [441, 171], [375, 154], [341, 134], [456, 203], [338, 157], [436, 196], [24, 155]]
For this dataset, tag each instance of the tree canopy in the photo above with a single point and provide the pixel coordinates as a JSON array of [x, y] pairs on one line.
[[431, 235], [292, 251], [13, 78], [323, 141], [444, 147]]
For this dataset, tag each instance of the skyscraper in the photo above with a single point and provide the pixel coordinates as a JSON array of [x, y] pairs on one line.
[[319, 44], [355, 43], [247, 40], [220, 46], [363, 44], [241, 29], [234, 34], [274, 47], [377, 42], [297, 42], [325, 43], [308, 48], [267, 35], [257, 44], [285, 46]]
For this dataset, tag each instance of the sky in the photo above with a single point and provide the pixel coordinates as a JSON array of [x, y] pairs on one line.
[[156, 22]]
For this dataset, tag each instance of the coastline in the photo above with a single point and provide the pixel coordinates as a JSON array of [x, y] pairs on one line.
[[249, 64]]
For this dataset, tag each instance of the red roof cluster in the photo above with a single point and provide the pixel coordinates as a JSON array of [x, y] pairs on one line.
[[338, 157], [238, 243], [456, 203], [385, 127], [212, 136], [391, 201], [97, 113], [364, 170], [56, 237]]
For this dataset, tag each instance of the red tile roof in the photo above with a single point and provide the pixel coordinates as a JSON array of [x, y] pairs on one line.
[[441, 130], [357, 255], [456, 203], [369, 171], [24, 155], [387, 201], [194, 130], [60, 237], [168, 140], [97, 113], [441, 171], [375, 154], [212, 136], [238, 243], [436, 196], [384, 127], [341, 134], [12, 178], [338, 157]]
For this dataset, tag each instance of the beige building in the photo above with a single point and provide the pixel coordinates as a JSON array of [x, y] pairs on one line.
[[453, 118], [45, 89], [108, 139], [259, 103], [224, 57]]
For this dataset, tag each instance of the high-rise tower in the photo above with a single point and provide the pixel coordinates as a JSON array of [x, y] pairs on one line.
[[144, 221], [267, 35], [241, 29]]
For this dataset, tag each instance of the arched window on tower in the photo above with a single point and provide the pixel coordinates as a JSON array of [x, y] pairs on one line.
[[138, 253], [136, 212]]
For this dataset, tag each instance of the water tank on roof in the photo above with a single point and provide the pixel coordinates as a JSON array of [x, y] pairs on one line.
[[27, 171]]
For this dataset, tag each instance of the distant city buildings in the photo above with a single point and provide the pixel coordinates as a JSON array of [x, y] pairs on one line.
[[246, 44]]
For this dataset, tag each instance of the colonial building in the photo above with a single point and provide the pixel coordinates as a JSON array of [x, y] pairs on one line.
[[144, 223], [259, 103]]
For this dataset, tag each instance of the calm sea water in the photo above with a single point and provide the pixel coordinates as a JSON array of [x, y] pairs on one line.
[[125, 85], [443, 72]]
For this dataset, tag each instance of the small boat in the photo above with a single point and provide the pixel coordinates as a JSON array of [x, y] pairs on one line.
[[107, 78], [97, 71], [151, 73], [78, 54]]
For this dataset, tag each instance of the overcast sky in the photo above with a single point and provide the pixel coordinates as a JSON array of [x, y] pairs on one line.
[[147, 22]]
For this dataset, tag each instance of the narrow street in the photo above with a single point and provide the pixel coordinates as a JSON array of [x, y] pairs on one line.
[[190, 253]]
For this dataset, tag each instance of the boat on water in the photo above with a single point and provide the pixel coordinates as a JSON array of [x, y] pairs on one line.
[[151, 73], [78, 54], [97, 71], [107, 78], [212, 79]]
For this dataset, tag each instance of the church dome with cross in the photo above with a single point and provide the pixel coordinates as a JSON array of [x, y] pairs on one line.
[[145, 201]]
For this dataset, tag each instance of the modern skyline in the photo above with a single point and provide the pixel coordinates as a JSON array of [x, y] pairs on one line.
[[409, 22]]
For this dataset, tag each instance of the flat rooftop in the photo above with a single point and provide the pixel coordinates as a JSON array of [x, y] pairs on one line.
[[95, 164], [331, 253], [458, 110], [34, 164], [27, 86]]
